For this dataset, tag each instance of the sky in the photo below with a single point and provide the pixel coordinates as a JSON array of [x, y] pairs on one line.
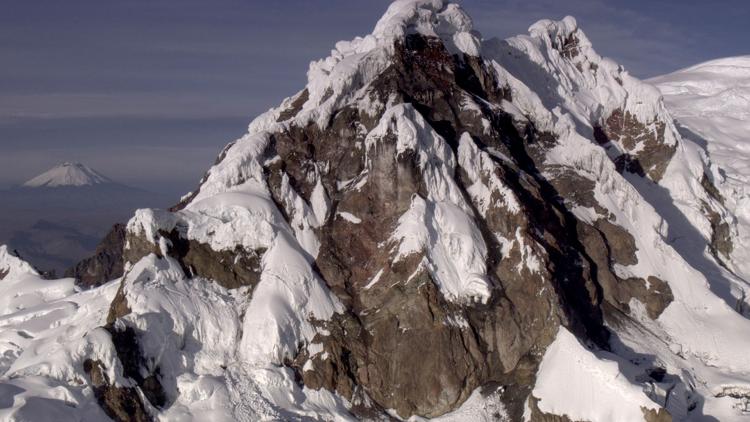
[[149, 91]]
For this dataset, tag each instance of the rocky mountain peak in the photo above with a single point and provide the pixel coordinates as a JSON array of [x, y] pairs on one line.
[[429, 180], [437, 224], [431, 18]]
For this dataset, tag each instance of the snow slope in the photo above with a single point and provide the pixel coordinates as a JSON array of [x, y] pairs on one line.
[[45, 327], [711, 103], [587, 386], [67, 174]]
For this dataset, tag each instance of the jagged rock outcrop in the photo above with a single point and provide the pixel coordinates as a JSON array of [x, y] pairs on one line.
[[122, 404], [106, 264], [230, 269], [625, 130]]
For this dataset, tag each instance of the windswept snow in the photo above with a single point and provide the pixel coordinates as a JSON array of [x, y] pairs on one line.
[[711, 103], [479, 407], [587, 386], [349, 217], [46, 327], [432, 18], [478, 165], [192, 328], [586, 86], [13, 266], [342, 78], [225, 349]]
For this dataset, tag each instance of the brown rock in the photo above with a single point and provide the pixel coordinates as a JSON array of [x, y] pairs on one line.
[[122, 404], [106, 264], [230, 269], [661, 415], [624, 129]]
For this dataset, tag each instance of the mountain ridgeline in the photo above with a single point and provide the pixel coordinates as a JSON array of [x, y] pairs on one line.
[[437, 226]]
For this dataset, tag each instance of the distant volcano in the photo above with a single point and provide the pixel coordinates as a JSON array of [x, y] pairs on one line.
[[55, 219], [68, 174]]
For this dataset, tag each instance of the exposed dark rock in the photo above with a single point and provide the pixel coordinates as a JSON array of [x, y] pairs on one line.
[[657, 297], [608, 244], [294, 107], [3, 274], [125, 403], [138, 247], [721, 239], [122, 404], [620, 243], [711, 189], [721, 236], [628, 132], [568, 47], [721, 245], [230, 269], [134, 364], [106, 264], [575, 188], [119, 306]]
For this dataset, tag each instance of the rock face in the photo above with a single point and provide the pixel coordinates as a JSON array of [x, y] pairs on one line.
[[626, 131], [119, 403], [416, 225], [106, 264]]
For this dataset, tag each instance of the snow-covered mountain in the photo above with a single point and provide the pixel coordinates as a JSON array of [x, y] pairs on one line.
[[437, 226], [67, 174], [56, 218], [711, 103]]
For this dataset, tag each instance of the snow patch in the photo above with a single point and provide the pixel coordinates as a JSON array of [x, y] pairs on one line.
[[571, 378], [349, 217]]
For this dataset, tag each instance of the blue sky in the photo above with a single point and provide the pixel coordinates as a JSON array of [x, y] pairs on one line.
[[149, 91]]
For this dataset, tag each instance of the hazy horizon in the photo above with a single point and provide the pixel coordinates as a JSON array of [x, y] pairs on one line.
[[148, 93]]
